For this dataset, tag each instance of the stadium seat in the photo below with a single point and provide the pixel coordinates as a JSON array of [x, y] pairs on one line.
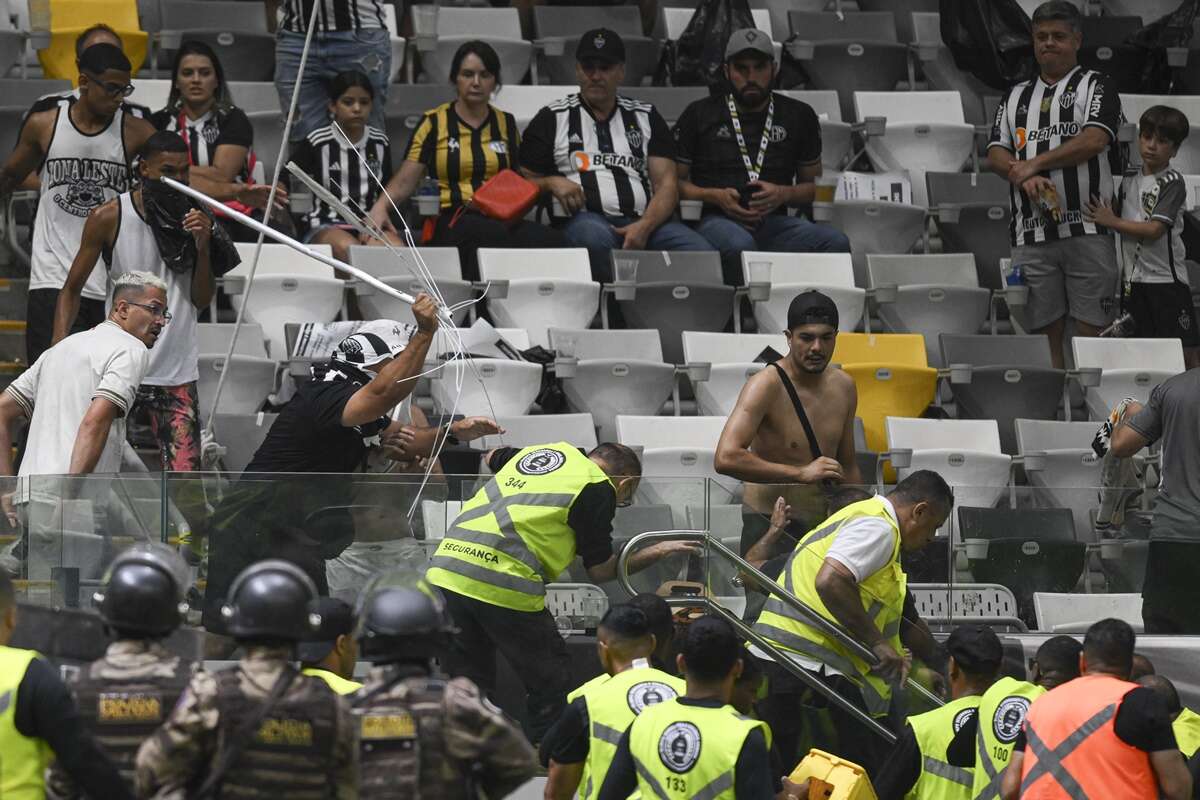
[[677, 460], [241, 435], [1009, 377], [873, 226], [1026, 549], [499, 27], [1129, 368], [287, 287], [406, 106], [849, 51], [493, 387], [1106, 48], [254, 95], [236, 31], [675, 292], [12, 45], [559, 28], [268, 139], [732, 359], [69, 18], [399, 272], [23, 91], [670, 101], [836, 142], [973, 216], [250, 380], [938, 65], [934, 294], [893, 377], [546, 289], [615, 372], [981, 603], [674, 21], [793, 273], [925, 131], [530, 429], [437, 516], [153, 93], [523, 102], [1071, 612], [1187, 160], [964, 452], [1064, 471], [213, 338]]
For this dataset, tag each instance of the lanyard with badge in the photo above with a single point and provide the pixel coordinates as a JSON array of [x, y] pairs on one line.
[[755, 169]]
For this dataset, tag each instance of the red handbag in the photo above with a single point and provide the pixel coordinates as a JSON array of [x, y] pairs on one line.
[[505, 196]]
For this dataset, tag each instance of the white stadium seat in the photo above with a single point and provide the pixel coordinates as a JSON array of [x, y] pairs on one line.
[[677, 460], [1129, 368], [793, 273], [731, 357], [492, 386], [546, 289], [530, 429], [499, 27], [1066, 472], [400, 272]]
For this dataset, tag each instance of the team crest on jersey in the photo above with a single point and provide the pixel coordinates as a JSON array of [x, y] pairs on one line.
[[452, 144], [634, 136], [962, 718], [499, 148], [1185, 320], [778, 134], [723, 132], [1008, 718], [1067, 99], [210, 131], [647, 694], [540, 462], [679, 746], [1150, 199]]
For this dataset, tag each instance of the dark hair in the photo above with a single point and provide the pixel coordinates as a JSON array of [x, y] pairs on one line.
[[845, 496], [1059, 654], [626, 621], [8, 591], [1141, 666], [658, 615], [1109, 644], [100, 58], [1165, 690], [191, 47], [925, 486], [163, 142], [752, 671], [1058, 11], [485, 52], [1169, 123], [87, 32], [710, 649], [620, 460], [348, 80]]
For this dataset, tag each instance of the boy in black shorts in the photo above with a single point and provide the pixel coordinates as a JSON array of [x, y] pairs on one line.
[[1152, 202]]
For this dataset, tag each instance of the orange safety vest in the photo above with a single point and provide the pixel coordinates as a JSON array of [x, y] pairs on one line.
[[1071, 747]]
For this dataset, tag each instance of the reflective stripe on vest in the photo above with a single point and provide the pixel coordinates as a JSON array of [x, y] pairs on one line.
[[934, 731], [23, 760], [1001, 717], [495, 553], [1050, 760], [882, 594]]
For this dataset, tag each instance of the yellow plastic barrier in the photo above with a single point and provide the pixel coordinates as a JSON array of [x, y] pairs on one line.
[[899, 349], [842, 780], [69, 18]]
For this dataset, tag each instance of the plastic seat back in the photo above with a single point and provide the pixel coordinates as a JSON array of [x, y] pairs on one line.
[[979, 435], [946, 269], [501, 22], [917, 108], [640, 345], [441, 262], [1159, 355], [279, 259], [1031, 350], [862, 26], [897, 349], [663, 432], [568, 263], [729, 348], [531, 429]]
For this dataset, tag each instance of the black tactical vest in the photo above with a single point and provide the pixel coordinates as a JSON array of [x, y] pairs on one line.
[[291, 757]]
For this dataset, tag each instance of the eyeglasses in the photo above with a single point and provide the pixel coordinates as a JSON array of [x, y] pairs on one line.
[[112, 89], [155, 310]]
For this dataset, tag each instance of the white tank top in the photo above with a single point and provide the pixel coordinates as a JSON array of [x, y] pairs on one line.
[[175, 356], [81, 172]]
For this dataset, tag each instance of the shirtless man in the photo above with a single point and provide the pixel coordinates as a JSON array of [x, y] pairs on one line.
[[764, 442]]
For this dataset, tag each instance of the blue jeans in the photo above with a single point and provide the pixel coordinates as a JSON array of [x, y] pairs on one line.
[[368, 51], [777, 233], [595, 232]]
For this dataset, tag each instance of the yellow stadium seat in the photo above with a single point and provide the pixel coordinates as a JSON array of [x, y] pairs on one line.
[[69, 18], [892, 376], [845, 780]]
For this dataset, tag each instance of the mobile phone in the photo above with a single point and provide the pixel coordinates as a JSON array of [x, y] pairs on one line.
[[745, 193]]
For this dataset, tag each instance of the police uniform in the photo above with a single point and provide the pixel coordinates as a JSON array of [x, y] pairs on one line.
[[425, 737], [1002, 711], [304, 749], [545, 504]]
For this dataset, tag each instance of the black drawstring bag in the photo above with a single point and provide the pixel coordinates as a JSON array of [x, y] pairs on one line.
[[165, 209], [698, 57], [991, 39]]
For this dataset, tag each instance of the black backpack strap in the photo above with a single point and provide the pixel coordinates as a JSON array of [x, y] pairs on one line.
[[813, 444]]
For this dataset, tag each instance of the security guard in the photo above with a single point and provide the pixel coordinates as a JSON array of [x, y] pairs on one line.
[[422, 735], [580, 746], [1184, 722], [848, 570], [124, 696], [259, 729], [39, 722], [921, 766], [331, 653], [545, 504], [1098, 735], [696, 745], [1001, 716]]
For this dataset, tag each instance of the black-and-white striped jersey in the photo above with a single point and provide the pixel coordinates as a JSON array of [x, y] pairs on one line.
[[335, 15], [1035, 117], [609, 160], [330, 159]]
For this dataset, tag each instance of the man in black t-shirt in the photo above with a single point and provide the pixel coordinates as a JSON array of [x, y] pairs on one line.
[[750, 154]]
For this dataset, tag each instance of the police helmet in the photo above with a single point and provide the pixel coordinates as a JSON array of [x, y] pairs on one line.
[[400, 616], [271, 599], [143, 590]]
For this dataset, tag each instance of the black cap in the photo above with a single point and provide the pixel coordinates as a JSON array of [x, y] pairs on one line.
[[601, 44], [976, 649], [337, 619], [812, 308]]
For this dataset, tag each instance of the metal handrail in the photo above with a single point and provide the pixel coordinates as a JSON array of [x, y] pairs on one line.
[[830, 629]]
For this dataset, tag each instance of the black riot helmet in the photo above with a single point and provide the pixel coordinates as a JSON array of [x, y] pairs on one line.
[[143, 591], [271, 600], [401, 618]]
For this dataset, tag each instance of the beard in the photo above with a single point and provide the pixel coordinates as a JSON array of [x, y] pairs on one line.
[[750, 95], [813, 368]]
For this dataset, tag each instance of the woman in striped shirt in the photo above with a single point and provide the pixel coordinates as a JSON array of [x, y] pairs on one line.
[[461, 145]]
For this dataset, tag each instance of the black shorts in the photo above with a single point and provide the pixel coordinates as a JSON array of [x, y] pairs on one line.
[[1163, 311]]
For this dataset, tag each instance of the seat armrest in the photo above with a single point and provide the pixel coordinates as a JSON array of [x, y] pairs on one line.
[[496, 289]]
